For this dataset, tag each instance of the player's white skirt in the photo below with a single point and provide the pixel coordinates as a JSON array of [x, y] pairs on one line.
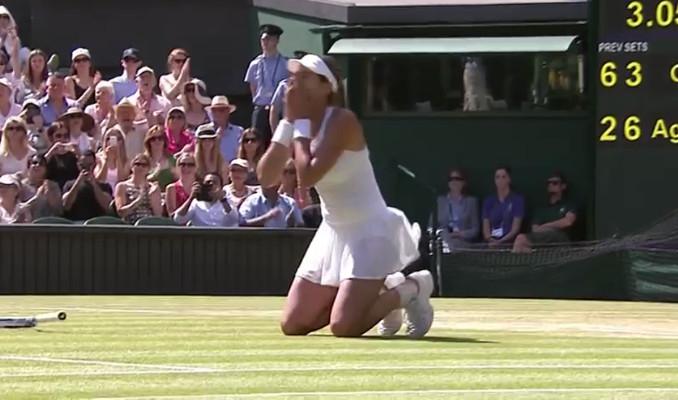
[[369, 249]]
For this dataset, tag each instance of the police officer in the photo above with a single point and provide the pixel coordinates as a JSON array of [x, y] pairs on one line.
[[263, 75]]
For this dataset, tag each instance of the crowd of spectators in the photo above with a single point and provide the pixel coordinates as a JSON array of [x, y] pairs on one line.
[[79, 145]]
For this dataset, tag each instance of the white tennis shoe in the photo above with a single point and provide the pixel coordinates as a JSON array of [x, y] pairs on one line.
[[419, 312], [391, 323]]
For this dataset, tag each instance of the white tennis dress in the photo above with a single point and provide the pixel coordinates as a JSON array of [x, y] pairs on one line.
[[360, 237]]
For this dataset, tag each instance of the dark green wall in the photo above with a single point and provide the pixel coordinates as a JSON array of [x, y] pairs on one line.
[[532, 146], [297, 35]]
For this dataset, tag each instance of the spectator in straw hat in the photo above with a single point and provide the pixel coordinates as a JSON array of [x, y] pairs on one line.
[[229, 134], [125, 85], [150, 107], [84, 78], [7, 106], [79, 124], [194, 100], [56, 102]]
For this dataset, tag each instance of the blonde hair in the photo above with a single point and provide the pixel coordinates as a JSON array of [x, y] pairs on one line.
[[4, 143], [173, 54], [200, 158], [122, 150]]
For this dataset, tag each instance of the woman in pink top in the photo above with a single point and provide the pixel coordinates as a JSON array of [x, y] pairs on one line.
[[178, 137], [178, 192]]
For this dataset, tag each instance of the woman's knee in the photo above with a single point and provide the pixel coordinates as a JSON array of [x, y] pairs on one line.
[[345, 327], [293, 328]]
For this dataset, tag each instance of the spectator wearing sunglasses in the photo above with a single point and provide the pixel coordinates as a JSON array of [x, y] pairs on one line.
[[125, 85], [503, 212], [553, 222], [62, 157], [458, 216], [251, 149], [151, 108], [85, 198], [178, 137], [162, 162], [179, 191], [137, 198], [179, 68], [33, 84], [14, 147], [83, 80], [194, 100], [40, 195]]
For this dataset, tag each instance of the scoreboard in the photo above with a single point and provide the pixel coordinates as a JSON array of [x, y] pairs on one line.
[[637, 72]]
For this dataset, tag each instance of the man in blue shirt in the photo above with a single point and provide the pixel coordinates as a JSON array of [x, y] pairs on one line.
[[55, 102], [125, 85], [229, 134], [270, 209], [263, 75]]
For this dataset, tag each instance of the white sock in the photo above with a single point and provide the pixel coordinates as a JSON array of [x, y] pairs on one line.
[[408, 291]]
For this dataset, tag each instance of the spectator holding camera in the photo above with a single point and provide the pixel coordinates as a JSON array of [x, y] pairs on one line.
[[112, 164], [85, 198], [37, 137], [270, 209], [136, 198], [14, 147], [458, 217], [503, 213], [62, 157], [178, 192], [40, 195], [208, 205], [78, 124]]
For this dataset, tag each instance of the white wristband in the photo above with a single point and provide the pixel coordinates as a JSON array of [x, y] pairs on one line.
[[302, 129], [283, 133]]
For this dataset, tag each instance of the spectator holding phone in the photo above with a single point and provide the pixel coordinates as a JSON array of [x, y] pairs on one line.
[[85, 198], [37, 137], [62, 157], [207, 205], [112, 164]]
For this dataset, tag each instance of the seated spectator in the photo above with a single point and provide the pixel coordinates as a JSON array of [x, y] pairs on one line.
[[83, 80], [102, 112], [7, 106], [62, 156], [194, 101], [178, 137], [78, 123], [134, 131], [33, 84], [151, 108], [85, 198], [503, 213], [14, 147], [458, 216], [178, 192], [179, 67], [112, 163], [291, 188], [267, 208], [125, 85], [40, 195], [207, 154], [237, 191], [552, 223], [11, 210], [251, 149], [207, 205], [37, 137], [136, 198], [56, 102], [162, 162]]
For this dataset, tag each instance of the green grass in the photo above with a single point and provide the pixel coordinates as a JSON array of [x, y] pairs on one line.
[[231, 347]]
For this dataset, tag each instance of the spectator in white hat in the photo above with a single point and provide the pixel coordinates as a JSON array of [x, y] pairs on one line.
[[11, 211], [14, 147], [125, 85], [179, 68], [7, 106], [83, 79], [237, 191], [220, 111], [150, 107], [194, 100], [34, 79], [103, 111]]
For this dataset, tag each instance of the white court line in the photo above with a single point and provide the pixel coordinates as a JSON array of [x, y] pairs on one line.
[[178, 368], [405, 392]]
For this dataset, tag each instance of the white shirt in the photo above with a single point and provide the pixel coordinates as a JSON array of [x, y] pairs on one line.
[[257, 205], [202, 213], [14, 110], [158, 104], [83, 142], [134, 140], [10, 165], [233, 199]]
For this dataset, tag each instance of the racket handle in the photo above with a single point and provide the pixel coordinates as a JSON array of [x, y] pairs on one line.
[[51, 317]]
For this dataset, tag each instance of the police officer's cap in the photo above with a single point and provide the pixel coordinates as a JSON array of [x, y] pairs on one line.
[[270, 29]]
